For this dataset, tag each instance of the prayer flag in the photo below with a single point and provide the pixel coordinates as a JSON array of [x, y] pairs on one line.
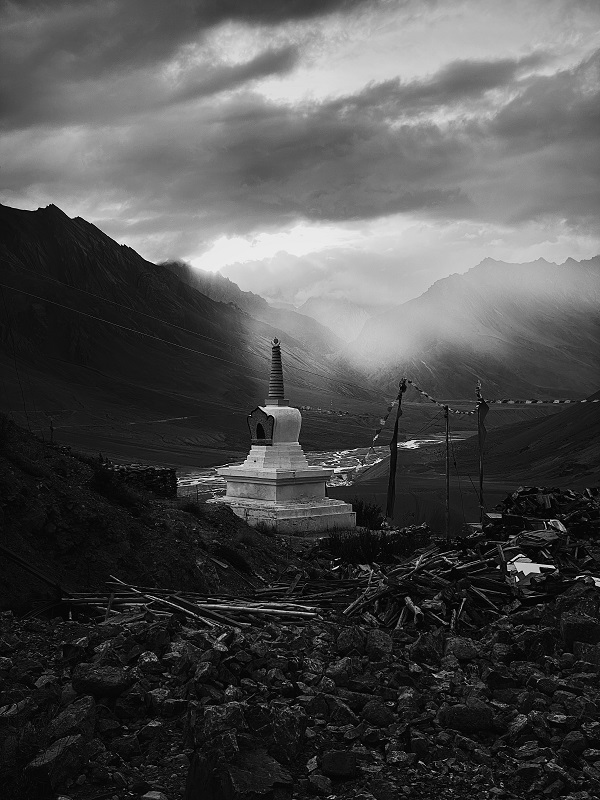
[[391, 494]]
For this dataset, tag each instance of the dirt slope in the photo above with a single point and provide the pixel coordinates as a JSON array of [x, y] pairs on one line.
[[57, 515]]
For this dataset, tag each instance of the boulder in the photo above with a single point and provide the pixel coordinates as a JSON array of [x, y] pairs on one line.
[[379, 644], [462, 648], [340, 671], [126, 746], [149, 663], [339, 712], [351, 640], [217, 719], [288, 725], [253, 774], [100, 681], [408, 702], [79, 717], [62, 761], [472, 718], [378, 714], [320, 784], [339, 764], [428, 648], [574, 743], [579, 628]]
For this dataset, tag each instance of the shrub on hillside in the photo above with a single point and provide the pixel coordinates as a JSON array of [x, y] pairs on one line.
[[368, 515], [382, 547]]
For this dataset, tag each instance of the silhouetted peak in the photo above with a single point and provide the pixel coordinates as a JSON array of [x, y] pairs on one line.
[[55, 211]]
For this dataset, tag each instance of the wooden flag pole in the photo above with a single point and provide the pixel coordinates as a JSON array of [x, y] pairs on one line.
[[447, 418], [482, 410], [391, 493]]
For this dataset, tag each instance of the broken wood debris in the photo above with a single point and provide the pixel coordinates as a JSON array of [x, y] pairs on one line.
[[207, 610], [459, 585]]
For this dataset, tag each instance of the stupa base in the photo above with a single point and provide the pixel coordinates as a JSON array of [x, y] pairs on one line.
[[313, 515]]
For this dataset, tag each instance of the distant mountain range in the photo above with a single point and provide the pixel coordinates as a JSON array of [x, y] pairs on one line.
[[302, 327], [92, 332], [342, 316], [524, 330]]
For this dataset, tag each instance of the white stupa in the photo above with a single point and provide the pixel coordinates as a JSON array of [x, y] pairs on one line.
[[276, 487]]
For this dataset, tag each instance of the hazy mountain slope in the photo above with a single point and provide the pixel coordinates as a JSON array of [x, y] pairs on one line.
[[566, 444], [303, 328], [97, 333], [523, 329], [341, 316]]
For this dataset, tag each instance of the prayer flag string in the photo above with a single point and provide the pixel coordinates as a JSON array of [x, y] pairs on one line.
[[503, 401], [437, 402], [538, 402]]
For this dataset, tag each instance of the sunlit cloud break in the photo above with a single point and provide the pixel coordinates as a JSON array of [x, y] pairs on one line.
[[279, 138]]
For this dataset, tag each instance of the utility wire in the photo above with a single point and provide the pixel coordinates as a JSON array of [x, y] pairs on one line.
[[165, 322], [14, 349], [135, 385], [119, 305], [429, 424]]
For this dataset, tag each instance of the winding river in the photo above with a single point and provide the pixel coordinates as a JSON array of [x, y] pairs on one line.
[[346, 465]]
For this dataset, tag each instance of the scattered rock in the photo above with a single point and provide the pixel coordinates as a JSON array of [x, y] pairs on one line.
[[100, 681], [339, 764], [59, 762], [378, 714], [462, 648], [472, 718], [351, 641], [379, 644]]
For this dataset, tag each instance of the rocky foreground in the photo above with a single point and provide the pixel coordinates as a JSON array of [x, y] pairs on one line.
[[461, 681], [148, 705]]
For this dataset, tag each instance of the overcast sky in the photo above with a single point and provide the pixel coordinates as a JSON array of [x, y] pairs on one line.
[[358, 148]]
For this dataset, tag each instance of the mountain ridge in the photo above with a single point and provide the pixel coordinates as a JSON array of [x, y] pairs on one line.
[[102, 339], [516, 329], [305, 329]]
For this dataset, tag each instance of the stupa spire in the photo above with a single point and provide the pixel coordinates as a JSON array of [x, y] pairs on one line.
[[276, 391]]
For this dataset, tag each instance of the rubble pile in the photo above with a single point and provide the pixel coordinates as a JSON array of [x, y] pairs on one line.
[[565, 503], [158, 707], [580, 511], [471, 669]]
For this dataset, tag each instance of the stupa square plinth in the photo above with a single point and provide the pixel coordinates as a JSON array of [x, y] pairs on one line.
[[275, 487]]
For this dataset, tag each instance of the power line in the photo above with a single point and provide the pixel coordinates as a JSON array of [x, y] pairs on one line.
[[14, 349], [119, 305], [164, 322], [135, 385], [428, 424]]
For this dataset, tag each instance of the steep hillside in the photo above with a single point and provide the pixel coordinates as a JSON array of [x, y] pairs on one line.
[[563, 446], [301, 327], [523, 329], [95, 336], [63, 518]]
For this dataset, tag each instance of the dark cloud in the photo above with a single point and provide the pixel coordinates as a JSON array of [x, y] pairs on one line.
[[84, 38], [553, 109], [98, 101], [67, 59], [478, 140], [262, 163], [271, 62], [458, 82]]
